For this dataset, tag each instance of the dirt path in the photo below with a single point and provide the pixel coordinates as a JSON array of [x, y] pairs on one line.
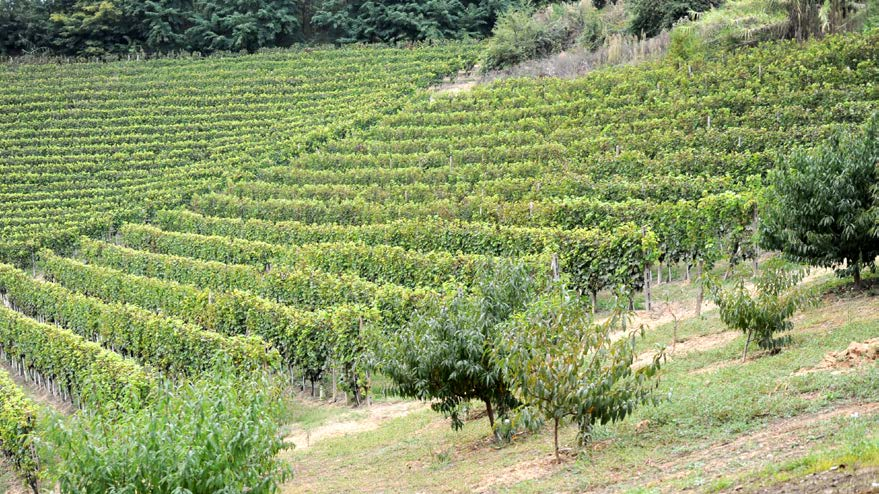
[[841, 480], [464, 81], [39, 395], [779, 441], [376, 415]]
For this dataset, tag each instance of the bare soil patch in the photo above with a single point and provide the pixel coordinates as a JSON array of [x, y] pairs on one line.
[[451, 86], [377, 415], [779, 441], [696, 344], [840, 480], [857, 354], [521, 472]]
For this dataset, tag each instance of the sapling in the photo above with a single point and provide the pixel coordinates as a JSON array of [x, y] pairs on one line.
[[562, 365], [763, 313]]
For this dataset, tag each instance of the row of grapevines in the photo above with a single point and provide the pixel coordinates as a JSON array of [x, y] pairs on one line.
[[169, 345], [18, 416], [311, 289], [378, 263], [306, 340], [69, 365]]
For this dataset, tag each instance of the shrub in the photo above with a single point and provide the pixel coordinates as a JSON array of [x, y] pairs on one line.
[[650, 17], [522, 34], [765, 313], [444, 353], [215, 434], [820, 208], [562, 365]]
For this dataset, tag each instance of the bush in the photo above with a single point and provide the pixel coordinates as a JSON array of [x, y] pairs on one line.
[[216, 434], [522, 34], [650, 17], [821, 208], [444, 353], [765, 313], [562, 365]]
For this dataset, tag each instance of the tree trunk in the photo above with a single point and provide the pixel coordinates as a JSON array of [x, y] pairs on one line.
[[555, 435], [747, 343], [648, 302], [688, 271], [669, 273], [674, 336], [701, 294], [856, 274], [594, 299], [490, 412]]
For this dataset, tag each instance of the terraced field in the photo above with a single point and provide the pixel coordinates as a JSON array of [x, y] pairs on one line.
[[272, 208]]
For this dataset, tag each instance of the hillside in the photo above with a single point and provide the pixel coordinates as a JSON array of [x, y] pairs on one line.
[[289, 213], [86, 146], [725, 427]]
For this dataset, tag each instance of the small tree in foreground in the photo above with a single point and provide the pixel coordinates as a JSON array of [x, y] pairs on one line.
[[444, 353], [820, 209], [765, 313], [563, 366], [219, 433]]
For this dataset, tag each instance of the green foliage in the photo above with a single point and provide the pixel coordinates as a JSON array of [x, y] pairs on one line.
[[306, 340], [650, 17], [686, 45], [168, 345], [219, 433], [820, 208], [79, 369], [561, 365], [225, 25], [106, 27], [523, 34], [764, 313], [18, 416], [406, 20], [444, 354]]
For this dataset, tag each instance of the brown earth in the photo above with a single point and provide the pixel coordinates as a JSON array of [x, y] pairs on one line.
[[839, 480], [857, 354]]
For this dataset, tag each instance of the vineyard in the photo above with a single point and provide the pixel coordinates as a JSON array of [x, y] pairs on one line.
[[283, 210]]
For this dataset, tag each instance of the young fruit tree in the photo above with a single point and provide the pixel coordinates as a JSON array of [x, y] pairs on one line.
[[444, 353], [820, 209], [562, 366], [764, 313], [219, 432]]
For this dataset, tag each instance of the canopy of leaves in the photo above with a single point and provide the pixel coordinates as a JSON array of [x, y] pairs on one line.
[[401, 20], [101, 27], [216, 434], [444, 354], [563, 365], [820, 208], [650, 17], [765, 312]]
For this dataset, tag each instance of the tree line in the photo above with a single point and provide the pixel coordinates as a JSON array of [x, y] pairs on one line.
[[102, 27]]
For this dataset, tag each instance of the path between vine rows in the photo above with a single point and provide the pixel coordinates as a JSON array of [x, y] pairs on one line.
[[376, 415]]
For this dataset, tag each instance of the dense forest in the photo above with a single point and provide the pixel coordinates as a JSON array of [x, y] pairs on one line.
[[95, 28]]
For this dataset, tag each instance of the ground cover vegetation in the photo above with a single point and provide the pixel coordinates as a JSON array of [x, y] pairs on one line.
[[320, 220]]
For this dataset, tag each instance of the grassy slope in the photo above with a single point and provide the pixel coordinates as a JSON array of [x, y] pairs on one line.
[[724, 423]]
